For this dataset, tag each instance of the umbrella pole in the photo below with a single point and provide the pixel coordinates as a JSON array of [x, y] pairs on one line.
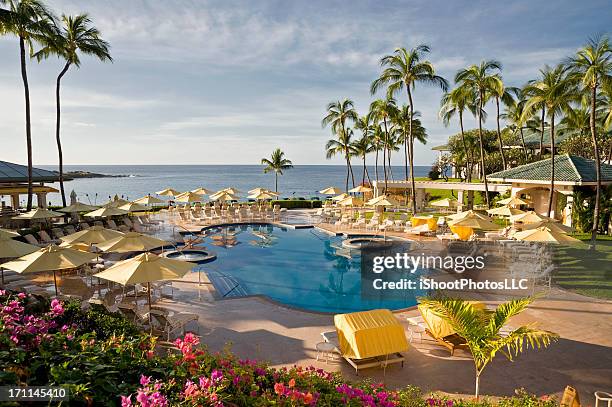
[[149, 295], [55, 282]]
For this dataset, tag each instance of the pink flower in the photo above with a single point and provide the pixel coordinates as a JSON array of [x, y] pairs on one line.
[[126, 401], [144, 380]]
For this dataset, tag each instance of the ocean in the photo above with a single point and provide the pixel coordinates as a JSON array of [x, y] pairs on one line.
[[300, 181]]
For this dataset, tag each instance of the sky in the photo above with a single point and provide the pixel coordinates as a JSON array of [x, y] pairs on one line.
[[226, 82]]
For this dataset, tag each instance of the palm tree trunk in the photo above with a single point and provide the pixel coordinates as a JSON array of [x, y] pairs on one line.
[[57, 131], [482, 161], [376, 164], [26, 89], [597, 169], [542, 131], [389, 164], [499, 138], [406, 155], [351, 169], [385, 144], [364, 170], [523, 142], [465, 147], [411, 141], [367, 173], [275, 181], [347, 175], [477, 390], [552, 163]]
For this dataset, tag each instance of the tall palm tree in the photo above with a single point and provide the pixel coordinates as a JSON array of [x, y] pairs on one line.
[[342, 145], [501, 93], [339, 115], [403, 70], [479, 79], [77, 35], [276, 163], [556, 92], [362, 147], [30, 21], [593, 66], [454, 103], [513, 114], [402, 124], [481, 329], [378, 141], [383, 110]]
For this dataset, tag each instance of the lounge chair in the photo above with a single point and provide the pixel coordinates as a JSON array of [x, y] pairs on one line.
[[168, 324], [129, 312], [418, 230]]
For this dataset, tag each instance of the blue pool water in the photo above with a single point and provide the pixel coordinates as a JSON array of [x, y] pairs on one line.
[[305, 268]]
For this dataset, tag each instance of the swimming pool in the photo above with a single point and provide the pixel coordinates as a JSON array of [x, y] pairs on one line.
[[301, 268]]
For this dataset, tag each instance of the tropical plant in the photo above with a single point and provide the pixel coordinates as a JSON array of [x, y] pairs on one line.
[[479, 79], [383, 110], [500, 92], [31, 22], [77, 35], [403, 70], [592, 66], [555, 91], [364, 146], [342, 145], [481, 329], [276, 163], [513, 115], [339, 115]]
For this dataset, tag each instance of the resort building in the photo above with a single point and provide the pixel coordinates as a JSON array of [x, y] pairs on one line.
[[14, 182]]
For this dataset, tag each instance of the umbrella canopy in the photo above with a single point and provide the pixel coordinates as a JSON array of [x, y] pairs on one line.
[[149, 200], [230, 190], [465, 214], [530, 217], [340, 197], [376, 199], [134, 207], [131, 242], [475, 222], [93, 235], [553, 226], [330, 191], [225, 196], [258, 190], [116, 202], [168, 192], [445, 203], [545, 235], [146, 268], [201, 191], [52, 258], [505, 211], [514, 201], [350, 201], [105, 212], [262, 195], [78, 207], [8, 233], [38, 213], [361, 188], [10, 248], [386, 201], [188, 197]]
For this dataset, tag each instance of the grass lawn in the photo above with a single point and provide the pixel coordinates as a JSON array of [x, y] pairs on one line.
[[584, 271], [436, 194]]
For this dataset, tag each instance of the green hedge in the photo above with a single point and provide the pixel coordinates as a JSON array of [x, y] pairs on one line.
[[298, 203]]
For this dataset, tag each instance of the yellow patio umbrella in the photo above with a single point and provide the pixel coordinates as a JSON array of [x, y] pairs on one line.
[[225, 196], [38, 213], [259, 190], [134, 207], [8, 233], [330, 191], [230, 190], [340, 197], [475, 222], [201, 191], [360, 188], [78, 207], [52, 258], [376, 199], [350, 201], [105, 212], [10, 249], [544, 235], [149, 200], [262, 195], [465, 214], [386, 201], [131, 242], [93, 235], [168, 192], [514, 201], [188, 197], [445, 203], [146, 268], [530, 217], [116, 202], [553, 226], [505, 211]]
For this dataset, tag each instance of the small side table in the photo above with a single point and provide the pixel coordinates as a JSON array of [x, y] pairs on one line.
[[416, 327], [326, 350], [604, 397]]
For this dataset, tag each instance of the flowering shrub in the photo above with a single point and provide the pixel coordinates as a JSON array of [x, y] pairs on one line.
[[49, 343]]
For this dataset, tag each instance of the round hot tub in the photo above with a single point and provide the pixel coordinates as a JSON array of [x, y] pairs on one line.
[[191, 255], [370, 241]]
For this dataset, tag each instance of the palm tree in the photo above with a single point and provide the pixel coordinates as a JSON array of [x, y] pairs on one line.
[[276, 163], [479, 79], [30, 21], [378, 141], [593, 66], [383, 110], [513, 114], [342, 145], [481, 329], [401, 124], [556, 92], [454, 103], [339, 114], [362, 147], [500, 92], [75, 36], [403, 70]]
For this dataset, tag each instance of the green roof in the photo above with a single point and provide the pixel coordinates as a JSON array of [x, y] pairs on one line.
[[568, 168], [10, 172]]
